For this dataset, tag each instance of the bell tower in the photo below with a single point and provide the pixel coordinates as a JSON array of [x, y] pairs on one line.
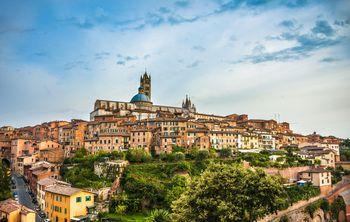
[[145, 83]]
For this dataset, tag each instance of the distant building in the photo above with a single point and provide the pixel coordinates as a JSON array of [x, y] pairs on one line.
[[140, 104], [326, 156], [71, 136], [39, 171]]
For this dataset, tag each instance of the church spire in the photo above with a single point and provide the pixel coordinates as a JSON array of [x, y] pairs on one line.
[[145, 83]]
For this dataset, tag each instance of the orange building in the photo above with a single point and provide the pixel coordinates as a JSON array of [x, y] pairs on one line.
[[65, 204], [12, 211]]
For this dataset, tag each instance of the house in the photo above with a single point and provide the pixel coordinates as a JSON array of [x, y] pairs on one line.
[[325, 156], [12, 211], [64, 203], [42, 185], [39, 171], [319, 177]]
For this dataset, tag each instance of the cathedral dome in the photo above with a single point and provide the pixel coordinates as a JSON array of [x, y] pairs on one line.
[[140, 97]]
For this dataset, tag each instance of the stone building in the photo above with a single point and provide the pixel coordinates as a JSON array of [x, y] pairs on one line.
[[71, 136], [140, 105]]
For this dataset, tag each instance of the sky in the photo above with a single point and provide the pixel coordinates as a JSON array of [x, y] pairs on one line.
[[287, 60]]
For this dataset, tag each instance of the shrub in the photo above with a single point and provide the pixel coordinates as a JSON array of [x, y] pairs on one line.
[[226, 152], [120, 209], [159, 215], [178, 156], [178, 149], [184, 166], [118, 155], [202, 155], [138, 155], [310, 209], [284, 219], [193, 152], [337, 206], [325, 205]]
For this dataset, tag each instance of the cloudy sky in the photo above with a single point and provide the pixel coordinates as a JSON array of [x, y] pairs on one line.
[[286, 58]]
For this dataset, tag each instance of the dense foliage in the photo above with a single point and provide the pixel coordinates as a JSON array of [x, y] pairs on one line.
[[229, 193], [337, 206], [345, 150], [5, 191], [345, 143], [79, 170], [138, 155], [319, 204], [297, 193], [345, 154], [337, 173], [159, 215], [154, 185], [262, 159], [183, 183]]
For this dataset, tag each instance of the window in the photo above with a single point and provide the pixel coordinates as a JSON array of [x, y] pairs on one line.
[[88, 198], [78, 199], [65, 210]]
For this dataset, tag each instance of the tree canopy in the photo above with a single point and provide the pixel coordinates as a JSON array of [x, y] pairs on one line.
[[229, 193], [5, 191]]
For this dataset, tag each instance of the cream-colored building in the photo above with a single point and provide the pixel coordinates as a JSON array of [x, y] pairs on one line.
[[23, 161], [319, 177]]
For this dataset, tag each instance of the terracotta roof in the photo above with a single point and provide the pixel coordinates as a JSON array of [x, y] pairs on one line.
[[51, 181], [63, 190], [314, 170], [9, 205], [47, 181]]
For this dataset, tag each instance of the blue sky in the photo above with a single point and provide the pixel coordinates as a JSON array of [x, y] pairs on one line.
[[260, 57]]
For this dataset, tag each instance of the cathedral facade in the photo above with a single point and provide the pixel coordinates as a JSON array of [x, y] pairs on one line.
[[141, 105]]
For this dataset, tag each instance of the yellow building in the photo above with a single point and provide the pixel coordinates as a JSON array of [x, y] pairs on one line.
[[12, 211], [248, 141], [64, 203]]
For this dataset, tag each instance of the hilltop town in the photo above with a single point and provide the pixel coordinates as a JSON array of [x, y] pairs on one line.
[[122, 136]]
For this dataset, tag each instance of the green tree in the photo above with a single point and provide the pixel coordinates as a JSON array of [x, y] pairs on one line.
[[226, 152], [80, 153], [325, 205], [202, 155], [346, 143], [345, 154], [138, 155], [5, 191], [177, 187], [229, 193]]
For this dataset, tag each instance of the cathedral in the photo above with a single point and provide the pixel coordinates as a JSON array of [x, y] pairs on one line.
[[141, 105]]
